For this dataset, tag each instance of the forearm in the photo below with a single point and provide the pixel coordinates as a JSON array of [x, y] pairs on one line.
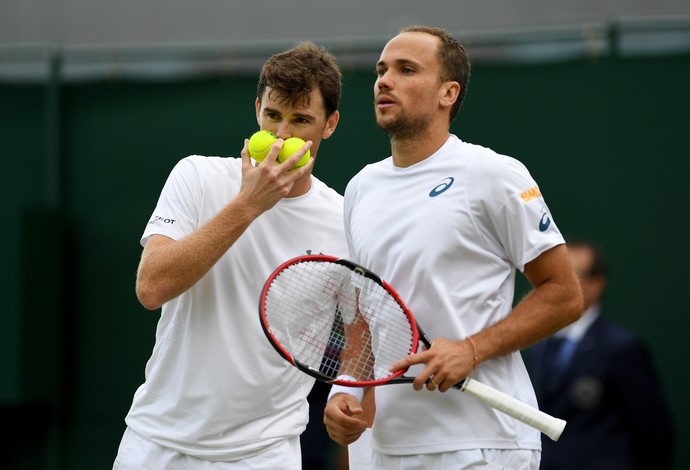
[[545, 310], [168, 269], [554, 302]]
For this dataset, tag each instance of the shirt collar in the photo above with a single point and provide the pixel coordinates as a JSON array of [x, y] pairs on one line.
[[575, 331]]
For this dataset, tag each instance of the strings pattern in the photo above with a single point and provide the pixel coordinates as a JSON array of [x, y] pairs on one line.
[[334, 321]]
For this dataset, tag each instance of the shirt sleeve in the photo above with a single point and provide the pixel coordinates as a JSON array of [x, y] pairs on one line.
[[519, 219], [176, 213]]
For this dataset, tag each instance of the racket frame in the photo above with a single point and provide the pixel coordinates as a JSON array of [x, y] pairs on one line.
[[394, 377], [551, 426]]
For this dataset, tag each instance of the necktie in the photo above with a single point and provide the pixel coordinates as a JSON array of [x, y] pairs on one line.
[[562, 352], [556, 357]]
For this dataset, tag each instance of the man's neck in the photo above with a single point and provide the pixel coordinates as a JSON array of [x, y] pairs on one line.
[[409, 151], [301, 186]]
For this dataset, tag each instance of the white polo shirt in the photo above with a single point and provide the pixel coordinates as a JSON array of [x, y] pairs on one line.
[[448, 234], [215, 388]]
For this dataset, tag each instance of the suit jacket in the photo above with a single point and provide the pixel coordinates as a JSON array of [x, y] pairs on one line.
[[612, 400]]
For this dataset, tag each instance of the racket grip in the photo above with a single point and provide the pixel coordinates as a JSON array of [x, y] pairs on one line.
[[549, 425]]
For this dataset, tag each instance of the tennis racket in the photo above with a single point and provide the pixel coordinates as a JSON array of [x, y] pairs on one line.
[[342, 324]]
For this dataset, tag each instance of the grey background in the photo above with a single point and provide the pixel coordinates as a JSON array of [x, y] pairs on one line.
[[129, 22]]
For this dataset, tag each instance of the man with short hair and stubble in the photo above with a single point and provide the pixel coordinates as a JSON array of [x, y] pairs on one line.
[[448, 223]]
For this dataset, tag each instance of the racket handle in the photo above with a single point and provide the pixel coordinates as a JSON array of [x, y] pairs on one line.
[[552, 427]]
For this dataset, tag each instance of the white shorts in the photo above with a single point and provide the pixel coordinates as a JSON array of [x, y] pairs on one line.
[[359, 452], [484, 459], [137, 453]]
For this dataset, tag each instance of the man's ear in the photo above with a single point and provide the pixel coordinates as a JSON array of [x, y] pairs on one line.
[[331, 124], [450, 92], [257, 106]]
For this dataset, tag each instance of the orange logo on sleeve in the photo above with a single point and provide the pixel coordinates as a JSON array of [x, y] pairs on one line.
[[531, 194]]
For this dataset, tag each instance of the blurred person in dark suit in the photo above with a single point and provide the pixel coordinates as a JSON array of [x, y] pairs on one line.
[[600, 378]]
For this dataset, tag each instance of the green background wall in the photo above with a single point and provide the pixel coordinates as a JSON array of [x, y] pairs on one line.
[[82, 165]]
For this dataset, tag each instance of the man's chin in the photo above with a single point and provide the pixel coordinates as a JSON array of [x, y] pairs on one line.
[[385, 124]]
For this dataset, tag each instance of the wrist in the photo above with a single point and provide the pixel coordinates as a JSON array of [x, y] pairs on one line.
[[356, 392], [475, 362]]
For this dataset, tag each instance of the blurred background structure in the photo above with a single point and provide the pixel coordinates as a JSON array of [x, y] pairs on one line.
[[98, 101]]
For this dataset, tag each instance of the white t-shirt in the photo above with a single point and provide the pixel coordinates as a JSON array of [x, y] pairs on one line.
[[215, 388], [448, 234]]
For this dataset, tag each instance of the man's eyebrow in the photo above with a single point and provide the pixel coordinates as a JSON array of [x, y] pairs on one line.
[[268, 109], [403, 61]]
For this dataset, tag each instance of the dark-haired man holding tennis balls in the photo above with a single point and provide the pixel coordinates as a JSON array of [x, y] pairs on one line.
[[216, 394]]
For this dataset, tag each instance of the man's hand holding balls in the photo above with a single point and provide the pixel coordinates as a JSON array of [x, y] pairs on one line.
[[260, 145]]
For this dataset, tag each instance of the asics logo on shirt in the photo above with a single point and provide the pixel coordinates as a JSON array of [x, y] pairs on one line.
[[545, 222], [442, 187]]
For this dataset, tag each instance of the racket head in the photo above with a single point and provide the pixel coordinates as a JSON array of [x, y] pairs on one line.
[[337, 321]]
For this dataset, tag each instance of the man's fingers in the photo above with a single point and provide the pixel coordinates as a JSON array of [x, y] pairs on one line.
[[403, 364]]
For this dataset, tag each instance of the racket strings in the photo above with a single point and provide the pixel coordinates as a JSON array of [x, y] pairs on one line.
[[337, 322]]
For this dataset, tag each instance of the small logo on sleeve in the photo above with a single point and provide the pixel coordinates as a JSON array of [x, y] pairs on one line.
[[545, 222], [163, 220], [530, 194]]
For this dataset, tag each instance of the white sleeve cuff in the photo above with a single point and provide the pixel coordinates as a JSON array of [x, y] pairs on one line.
[[356, 392]]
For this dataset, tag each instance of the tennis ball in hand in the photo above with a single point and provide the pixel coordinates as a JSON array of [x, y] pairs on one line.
[[260, 144], [290, 146]]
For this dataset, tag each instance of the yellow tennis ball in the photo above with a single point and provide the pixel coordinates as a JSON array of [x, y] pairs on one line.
[[290, 146], [260, 144]]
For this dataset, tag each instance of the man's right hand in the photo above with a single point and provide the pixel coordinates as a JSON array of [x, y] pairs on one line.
[[344, 418]]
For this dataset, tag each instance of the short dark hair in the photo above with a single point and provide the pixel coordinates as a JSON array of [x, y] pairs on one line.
[[455, 63], [600, 262], [294, 73]]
